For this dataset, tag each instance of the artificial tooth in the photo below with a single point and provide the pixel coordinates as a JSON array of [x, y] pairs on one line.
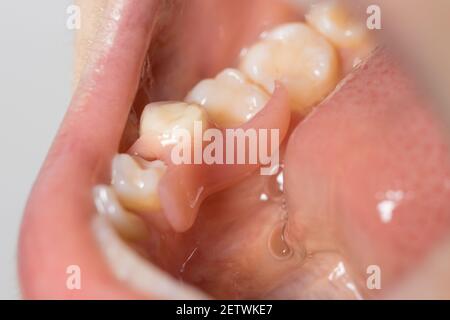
[[128, 225], [229, 99], [333, 21], [297, 56], [161, 119], [136, 184]]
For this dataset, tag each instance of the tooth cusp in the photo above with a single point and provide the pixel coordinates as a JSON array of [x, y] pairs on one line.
[[128, 225], [230, 99], [161, 119], [297, 56], [136, 182], [333, 21]]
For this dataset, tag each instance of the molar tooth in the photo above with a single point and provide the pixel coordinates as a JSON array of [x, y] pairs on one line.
[[136, 183], [334, 22], [127, 224], [160, 119], [297, 56], [230, 99]]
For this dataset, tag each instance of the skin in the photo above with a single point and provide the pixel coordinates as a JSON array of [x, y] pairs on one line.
[[85, 39], [81, 155]]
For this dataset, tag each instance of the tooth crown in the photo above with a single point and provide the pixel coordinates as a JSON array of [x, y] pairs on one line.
[[127, 224], [229, 99], [137, 185], [297, 56], [160, 119], [335, 23]]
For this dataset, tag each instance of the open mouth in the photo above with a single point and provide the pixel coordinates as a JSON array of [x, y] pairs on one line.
[[362, 182]]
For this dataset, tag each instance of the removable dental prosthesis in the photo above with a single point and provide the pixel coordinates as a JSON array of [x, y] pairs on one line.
[[302, 57]]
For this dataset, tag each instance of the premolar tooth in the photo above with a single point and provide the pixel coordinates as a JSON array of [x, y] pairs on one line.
[[334, 22], [297, 56], [136, 184], [160, 119], [127, 224], [230, 99]]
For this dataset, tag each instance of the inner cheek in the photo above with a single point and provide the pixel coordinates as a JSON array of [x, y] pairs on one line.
[[214, 33], [233, 251]]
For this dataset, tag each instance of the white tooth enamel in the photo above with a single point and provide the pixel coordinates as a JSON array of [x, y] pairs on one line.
[[230, 99], [297, 56], [128, 225], [131, 268], [136, 184], [161, 119], [332, 20]]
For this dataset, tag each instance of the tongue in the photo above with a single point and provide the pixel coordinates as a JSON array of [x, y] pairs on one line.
[[372, 169]]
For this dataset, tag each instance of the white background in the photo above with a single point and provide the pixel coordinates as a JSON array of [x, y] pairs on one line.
[[35, 88]]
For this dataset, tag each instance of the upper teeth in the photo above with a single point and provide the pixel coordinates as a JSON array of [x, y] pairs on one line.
[[161, 119], [128, 225], [334, 22], [230, 99], [297, 56], [136, 184]]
